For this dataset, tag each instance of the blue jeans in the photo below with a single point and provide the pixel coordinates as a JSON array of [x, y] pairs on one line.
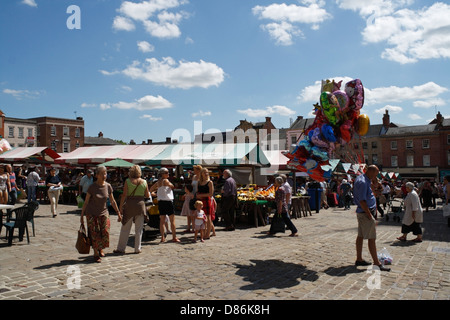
[[31, 193]]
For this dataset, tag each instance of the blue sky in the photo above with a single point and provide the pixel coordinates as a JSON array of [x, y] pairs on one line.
[[142, 69]]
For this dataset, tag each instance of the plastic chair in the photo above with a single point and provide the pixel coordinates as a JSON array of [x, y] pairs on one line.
[[22, 215], [32, 206]]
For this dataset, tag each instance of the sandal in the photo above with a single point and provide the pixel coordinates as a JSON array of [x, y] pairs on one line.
[[118, 252], [97, 259], [401, 238], [293, 235], [176, 240], [416, 240]]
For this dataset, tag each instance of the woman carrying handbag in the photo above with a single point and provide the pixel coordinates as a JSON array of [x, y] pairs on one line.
[[97, 214], [132, 209]]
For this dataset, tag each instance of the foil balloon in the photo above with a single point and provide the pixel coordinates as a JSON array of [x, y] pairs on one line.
[[345, 130], [355, 92], [316, 139], [343, 100], [319, 153], [329, 106], [363, 124], [328, 133]]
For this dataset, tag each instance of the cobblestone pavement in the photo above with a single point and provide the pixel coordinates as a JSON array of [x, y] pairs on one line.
[[245, 264]]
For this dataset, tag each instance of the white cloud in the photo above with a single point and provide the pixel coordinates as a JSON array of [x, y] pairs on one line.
[[410, 35], [154, 16], [268, 111], [167, 72], [201, 113], [23, 94], [392, 109], [151, 118], [429, 103], [31, 3], [286, 18], [414, 116], [124, 24], [88, 105], [428, 90], [145, 47], [142, 104]]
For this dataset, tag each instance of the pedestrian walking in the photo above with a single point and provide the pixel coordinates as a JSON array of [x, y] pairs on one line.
[[427, 195], [132, 209], [32, 184], [229, 195], [446, 191], [164, 193], [282, 207], [54, 185], [85, 183], [413, 216], [365, 212], [97, 215], [346, 191]]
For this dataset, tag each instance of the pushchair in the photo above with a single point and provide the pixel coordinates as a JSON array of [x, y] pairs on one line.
[[395, 207]]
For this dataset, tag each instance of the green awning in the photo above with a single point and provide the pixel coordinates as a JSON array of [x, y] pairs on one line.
[[117, 163]]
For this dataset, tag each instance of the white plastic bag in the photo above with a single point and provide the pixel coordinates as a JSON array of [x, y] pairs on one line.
[[446, 210], [384, 257]]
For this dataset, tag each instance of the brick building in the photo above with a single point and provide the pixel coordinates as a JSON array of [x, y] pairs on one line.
[[416, 152], [62, 135]]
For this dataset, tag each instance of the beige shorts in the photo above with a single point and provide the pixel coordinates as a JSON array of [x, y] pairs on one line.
[[366, 226]]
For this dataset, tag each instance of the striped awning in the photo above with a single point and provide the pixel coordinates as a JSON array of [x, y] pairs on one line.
[[29, 154]]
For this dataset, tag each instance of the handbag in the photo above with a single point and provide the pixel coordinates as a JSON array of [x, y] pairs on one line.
[[83, 244], [278, 224], [192, 203], [446, 210]]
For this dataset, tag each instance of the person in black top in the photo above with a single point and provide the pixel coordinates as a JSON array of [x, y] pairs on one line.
[[54, 185]]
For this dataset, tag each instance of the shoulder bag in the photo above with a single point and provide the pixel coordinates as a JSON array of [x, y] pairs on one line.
[[83, 244]]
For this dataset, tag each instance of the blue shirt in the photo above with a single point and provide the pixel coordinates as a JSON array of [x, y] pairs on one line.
[[362, 191]]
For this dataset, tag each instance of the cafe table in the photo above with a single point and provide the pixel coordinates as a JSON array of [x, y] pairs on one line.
[[7, 207]]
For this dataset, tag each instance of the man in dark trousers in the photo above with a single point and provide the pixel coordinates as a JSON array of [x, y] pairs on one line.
[[229, 194]]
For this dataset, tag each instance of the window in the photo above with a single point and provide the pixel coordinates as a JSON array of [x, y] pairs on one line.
[[20, 132], [53, 131], [409, 144], [374, 158], [394, 161], [393, 145], [425, 143], [66, 147], [30, 132], [448, 139], [65, 131], [374, 144], [53, 145], [448, 157], [38, 131], [426, 160], [364, 145], [410, 160], [77, 132], [11, 132], [77, 145]]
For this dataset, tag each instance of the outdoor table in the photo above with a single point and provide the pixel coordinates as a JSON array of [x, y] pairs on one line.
[[7, 207], [300, 206], [257, 207]]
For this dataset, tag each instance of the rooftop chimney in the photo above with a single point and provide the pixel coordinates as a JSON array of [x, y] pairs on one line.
[[100, 134], [149, 141], [168, 140], [386, 119]]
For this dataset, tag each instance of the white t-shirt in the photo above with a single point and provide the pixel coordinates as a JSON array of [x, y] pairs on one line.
[[199, 220]]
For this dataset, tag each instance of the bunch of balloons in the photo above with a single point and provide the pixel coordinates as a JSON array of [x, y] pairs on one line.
[[4, 145], [337, 119]]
